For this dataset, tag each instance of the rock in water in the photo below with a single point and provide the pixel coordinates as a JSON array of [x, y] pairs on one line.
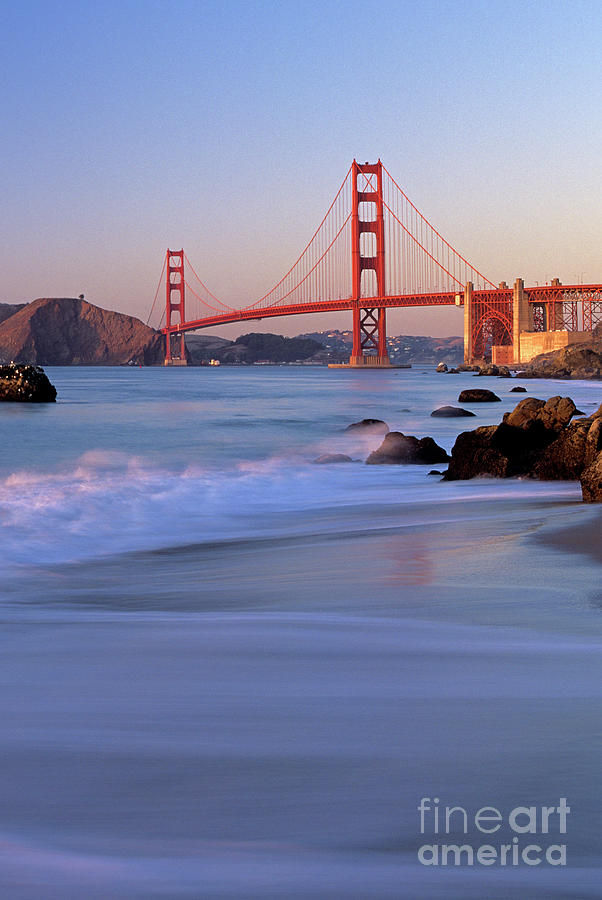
[[478, 395], [518, 390], [25, 384], [374, 426], [441, 367], [447, 412], [327, 458], [492, 369], [405, 448]]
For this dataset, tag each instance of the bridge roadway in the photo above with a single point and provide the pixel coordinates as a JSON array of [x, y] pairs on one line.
[[250, 313], [539, 294]]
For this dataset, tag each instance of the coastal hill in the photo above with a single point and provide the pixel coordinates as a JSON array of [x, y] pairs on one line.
[[251, 348], [64, 331]]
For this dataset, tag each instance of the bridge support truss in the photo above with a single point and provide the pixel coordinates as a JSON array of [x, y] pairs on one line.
[[174, 303], [368, 254], [488, 322], [510, 326]]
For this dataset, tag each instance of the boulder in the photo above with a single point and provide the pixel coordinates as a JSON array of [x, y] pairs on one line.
[[25, 384], [564, 458], [518, 390], [441, 367], [448, 412], [373, 426], [478, 395], [403, 448], [327, 458], [591, 481], [532, 413], [496, 450]]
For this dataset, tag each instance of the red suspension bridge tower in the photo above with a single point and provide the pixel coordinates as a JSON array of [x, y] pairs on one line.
[[174, 290], [369, 322]]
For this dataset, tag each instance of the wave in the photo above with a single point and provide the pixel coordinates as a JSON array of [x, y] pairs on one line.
[[112, 502]]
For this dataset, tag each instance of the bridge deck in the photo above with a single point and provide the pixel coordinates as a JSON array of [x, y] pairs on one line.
[[538, 294]]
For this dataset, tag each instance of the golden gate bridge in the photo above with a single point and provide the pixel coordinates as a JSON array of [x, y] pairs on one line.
[[372, 251]]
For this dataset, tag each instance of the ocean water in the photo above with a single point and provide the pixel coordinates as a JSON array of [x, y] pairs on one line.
[[228, 672]]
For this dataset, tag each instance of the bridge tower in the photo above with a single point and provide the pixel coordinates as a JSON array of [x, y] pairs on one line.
[[369, 322], [174, 302]]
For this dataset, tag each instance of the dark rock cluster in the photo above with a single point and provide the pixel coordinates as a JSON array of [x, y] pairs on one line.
[[493, 370], [537, 440], [25, 384]]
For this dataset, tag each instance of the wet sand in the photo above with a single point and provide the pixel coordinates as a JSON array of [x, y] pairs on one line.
[[582, 538]]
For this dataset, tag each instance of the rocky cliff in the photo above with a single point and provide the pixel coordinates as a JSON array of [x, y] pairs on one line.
[[64, 331]]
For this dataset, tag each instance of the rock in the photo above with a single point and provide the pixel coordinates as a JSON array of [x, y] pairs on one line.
[[468, 367], [497, 450], [492, 369], [434, 472], [478, 395], [536, 439], [452, 372], [591, 481], [401, 448], [441, 367], [518, 390], [564, 458], [447, 412], [65, 331], [25, 384], [533, 413], [327, 458], [373, 426]]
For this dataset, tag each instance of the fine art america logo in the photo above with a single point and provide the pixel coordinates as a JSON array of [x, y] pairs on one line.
[[518, 846]]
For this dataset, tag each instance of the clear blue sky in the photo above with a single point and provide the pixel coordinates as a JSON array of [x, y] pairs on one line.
[[227, 127]]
